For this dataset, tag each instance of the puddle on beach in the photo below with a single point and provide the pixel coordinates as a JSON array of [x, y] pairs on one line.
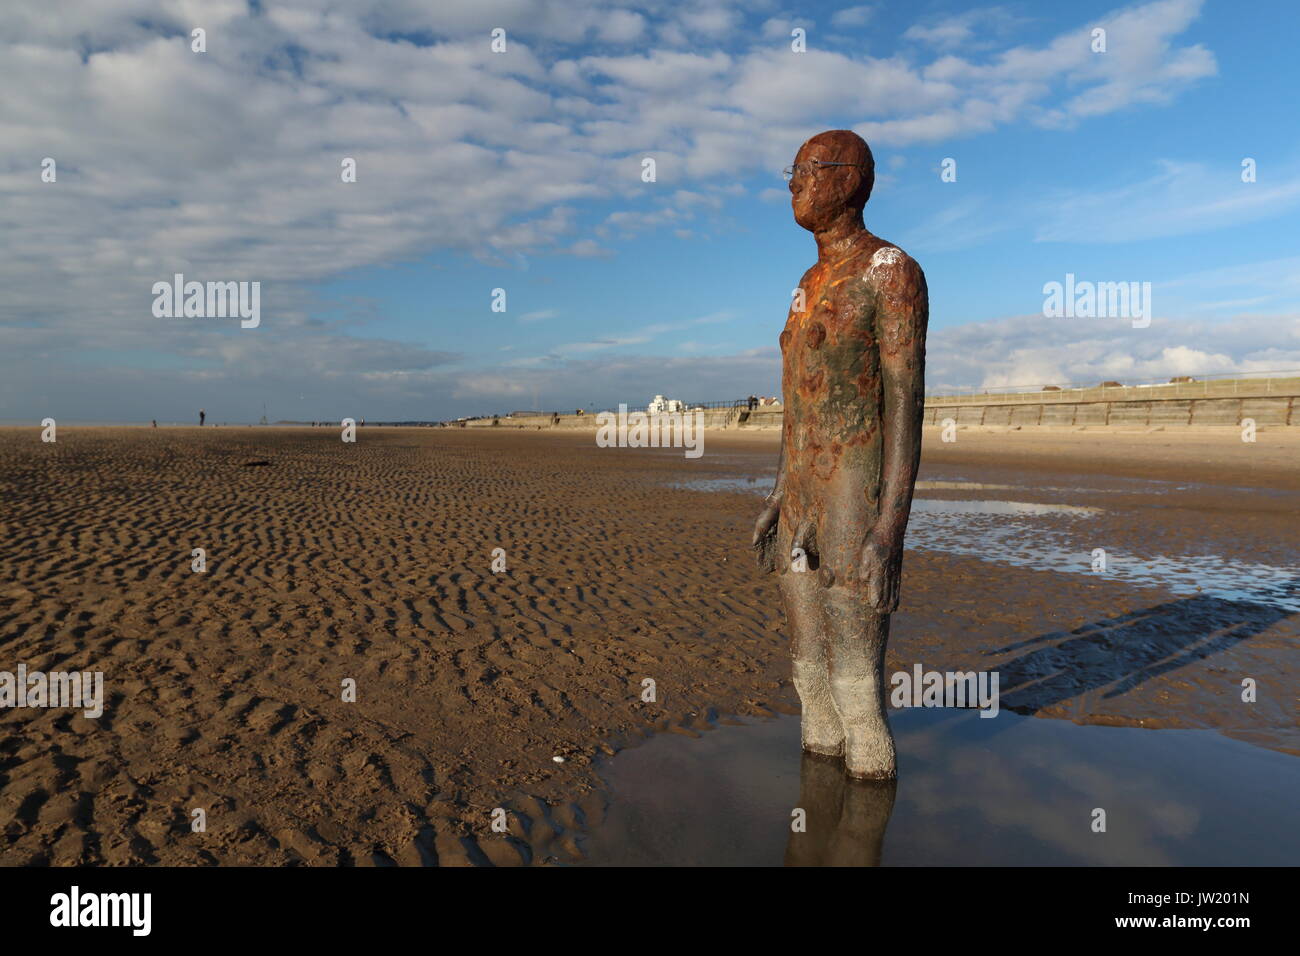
[[759, 485], [762, 485], [1010, 790], [941, 506], [1051, 537], [1056, 537]]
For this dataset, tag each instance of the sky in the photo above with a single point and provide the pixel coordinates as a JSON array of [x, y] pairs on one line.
[[524, 170]]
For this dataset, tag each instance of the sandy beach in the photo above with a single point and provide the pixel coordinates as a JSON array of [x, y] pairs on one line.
[[371, 562]]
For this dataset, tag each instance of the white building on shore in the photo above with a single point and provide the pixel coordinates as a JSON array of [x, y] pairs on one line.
[[664, 406]]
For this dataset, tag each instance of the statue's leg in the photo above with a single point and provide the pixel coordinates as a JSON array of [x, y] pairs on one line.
[[821, 729], [856, 636]]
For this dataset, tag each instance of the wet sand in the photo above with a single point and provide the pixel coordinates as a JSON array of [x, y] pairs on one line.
[[371, 562]]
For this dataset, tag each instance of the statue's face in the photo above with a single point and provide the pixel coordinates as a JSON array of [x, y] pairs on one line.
[[820, 196]]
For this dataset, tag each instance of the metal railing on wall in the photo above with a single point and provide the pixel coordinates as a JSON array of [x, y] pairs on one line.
[[1223, 385]]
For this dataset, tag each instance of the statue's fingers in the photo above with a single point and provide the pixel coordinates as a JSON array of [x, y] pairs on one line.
[[805, 537], [891, 605], [873, 587]]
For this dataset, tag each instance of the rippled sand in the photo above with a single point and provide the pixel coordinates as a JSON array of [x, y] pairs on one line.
[[371, 562]]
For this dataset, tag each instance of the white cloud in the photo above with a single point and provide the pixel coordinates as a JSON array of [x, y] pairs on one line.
[[663, 71], [853, 16], [598, 345], [589, 249], [1033, 350], [226, 165], [622, 26], [781, 28], [964, 30]]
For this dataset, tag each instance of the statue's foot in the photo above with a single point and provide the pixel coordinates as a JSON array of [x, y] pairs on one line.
[[870, 756], [872, 772], [820, 727], [821, 733], [823, 749]]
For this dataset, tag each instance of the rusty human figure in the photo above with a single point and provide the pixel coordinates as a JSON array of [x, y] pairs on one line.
[[853, 356]]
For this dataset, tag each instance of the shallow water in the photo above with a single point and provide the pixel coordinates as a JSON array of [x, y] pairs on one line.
[[945, 506], [759, 485], [1058, 537], [1010, 790]]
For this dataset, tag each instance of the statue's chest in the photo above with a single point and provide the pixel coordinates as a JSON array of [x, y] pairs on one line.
[[831, 343]]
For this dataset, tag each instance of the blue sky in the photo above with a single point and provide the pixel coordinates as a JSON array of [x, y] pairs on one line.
[[522, 170]]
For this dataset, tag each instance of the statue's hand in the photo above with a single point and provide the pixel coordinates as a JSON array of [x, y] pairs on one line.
[[880, 567], [764, 542]]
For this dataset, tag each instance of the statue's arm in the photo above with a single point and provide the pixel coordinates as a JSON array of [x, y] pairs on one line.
[[764, 539], [778, 490], [767, 518], [902, 313]]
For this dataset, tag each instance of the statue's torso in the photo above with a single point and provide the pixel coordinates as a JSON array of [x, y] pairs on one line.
[[832, 393]]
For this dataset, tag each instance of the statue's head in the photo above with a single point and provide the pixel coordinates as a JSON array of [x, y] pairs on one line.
[[821, 193]]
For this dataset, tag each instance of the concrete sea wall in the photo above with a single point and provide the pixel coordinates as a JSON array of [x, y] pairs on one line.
[[1268, 402]]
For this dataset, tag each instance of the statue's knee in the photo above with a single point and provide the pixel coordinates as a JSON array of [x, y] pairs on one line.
[[808, 673], [844, 685], [856, 693]]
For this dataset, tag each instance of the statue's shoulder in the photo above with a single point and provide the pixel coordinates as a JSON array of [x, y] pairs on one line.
[[895, 280], [887, 266], [902, 301]]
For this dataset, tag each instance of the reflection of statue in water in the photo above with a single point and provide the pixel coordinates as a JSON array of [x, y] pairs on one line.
[[853, 380], [846, 819]]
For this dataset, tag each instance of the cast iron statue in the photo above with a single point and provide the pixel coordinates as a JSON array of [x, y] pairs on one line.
[[853, 356]]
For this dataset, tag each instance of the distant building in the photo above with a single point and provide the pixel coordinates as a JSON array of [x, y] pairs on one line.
[[665, 406]]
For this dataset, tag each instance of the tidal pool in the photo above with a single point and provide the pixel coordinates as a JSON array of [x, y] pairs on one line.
[[1012, 790], [1059, 537]]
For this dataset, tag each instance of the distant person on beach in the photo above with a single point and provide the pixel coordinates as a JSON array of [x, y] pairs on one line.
[[202, 415], [155, 423], [852, 358]]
